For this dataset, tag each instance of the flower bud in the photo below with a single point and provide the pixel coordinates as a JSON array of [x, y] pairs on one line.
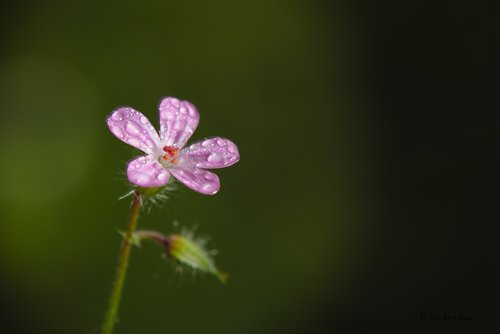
[[192, 253]]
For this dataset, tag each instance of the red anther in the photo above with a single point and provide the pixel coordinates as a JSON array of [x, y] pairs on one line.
[[170, 153]]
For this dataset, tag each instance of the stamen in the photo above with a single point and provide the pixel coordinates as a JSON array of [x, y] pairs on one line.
[[170, 154]]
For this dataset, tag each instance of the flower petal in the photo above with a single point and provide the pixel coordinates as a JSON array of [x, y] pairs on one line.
[[197, 179], [133, 128], [147, 172], [210, 153], [178, 120]]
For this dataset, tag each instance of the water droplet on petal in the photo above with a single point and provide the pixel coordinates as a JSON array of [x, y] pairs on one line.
[[132, 128], [174, 102], [180, 125], [214, 157], [117, 116], [117, 131], [207, 187], [134, 142], [221, 142], [141, 178], [143, 119], [162, 177], [192, 112]]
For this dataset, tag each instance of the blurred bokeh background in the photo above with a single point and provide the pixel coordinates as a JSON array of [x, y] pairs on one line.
[[345, 213]]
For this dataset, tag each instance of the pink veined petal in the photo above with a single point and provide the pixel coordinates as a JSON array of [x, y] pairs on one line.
[[134, 128], [210, 153], [178, 120], [146, 172], [197, 179]]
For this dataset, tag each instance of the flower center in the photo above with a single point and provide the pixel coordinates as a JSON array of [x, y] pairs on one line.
[[170, 155]]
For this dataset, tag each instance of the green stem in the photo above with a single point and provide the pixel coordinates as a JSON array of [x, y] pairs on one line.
[[121, 269]]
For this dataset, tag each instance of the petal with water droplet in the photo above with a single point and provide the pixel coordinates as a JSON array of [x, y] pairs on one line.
[[147, 174], [197, 179], [178, 120], [134, 128], [210, 153]]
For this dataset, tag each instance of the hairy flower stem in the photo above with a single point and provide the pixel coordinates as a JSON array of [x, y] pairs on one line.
[[121, 269], [151, 235]]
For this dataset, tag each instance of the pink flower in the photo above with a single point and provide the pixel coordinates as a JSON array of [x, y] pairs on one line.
[[166, 154]]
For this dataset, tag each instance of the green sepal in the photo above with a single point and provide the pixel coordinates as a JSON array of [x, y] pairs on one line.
[[192, 254]]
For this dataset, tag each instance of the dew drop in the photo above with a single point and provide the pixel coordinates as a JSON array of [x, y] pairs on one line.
[[164, 114], [180, 125], [134, 142], [192, 112], [143, 119], [142, 179], [207, 187], [117, 131], [221, 142], [117, 116], [214, 157], [132, 128], [174, 102], [162, 177]]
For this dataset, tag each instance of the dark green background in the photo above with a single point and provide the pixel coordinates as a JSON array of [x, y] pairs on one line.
[[345, 213]]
